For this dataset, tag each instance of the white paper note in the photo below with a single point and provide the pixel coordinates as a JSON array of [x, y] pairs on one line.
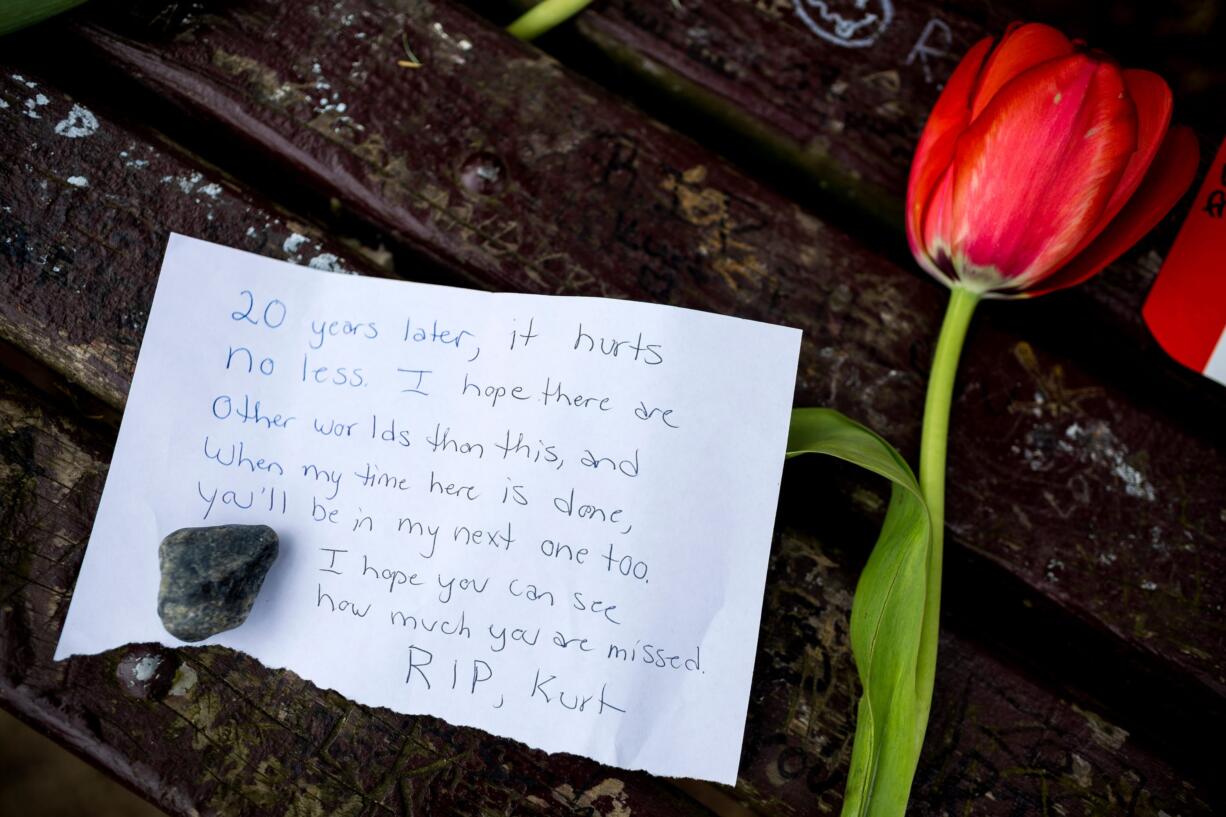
[[546, 517]]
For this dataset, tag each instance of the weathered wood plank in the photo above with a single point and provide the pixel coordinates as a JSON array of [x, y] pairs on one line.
[[70, 299], [234, 738], [997, 745], [231, 737], [848, 117], [78, 268], [837, 125], [860, 108], [1073, 473], [809, 657]]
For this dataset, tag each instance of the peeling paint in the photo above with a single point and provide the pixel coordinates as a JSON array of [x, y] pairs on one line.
[[1101, 445], [185, 680], [462, 43], [610, 788], [709, 209], [33, 104], [79, 123], [1105, 734], [187, 183], [326, 262], [293, 243], [146, 667], [1082, 771]]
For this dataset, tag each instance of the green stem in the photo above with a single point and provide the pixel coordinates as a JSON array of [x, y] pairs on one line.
[[933, 444], [544, 16]]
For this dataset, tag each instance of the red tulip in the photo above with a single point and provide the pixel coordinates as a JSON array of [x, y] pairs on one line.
[[1041, 163]]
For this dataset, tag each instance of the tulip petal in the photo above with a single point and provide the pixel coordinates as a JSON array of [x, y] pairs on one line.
[[1170, 175], [948, 119], [1023, 47], [1034, 172], [1152, 98], [936, 230]]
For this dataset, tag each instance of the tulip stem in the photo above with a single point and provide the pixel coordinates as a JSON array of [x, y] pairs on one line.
[[933, 443], [544, 16]]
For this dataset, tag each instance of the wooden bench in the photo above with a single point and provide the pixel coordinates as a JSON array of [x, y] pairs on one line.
[[846, 120], [1067, 682]]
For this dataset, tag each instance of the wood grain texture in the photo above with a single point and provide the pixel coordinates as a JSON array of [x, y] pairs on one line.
[[78, 266], [227, 736], [84, 203], [647, 215], [232, 737], [1091, 471], [863, 107], [223, 735], [848, 118]]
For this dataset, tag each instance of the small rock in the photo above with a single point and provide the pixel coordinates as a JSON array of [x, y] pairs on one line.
[[211, 576]]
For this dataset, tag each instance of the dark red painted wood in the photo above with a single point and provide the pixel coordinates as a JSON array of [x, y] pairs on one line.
[[83, 223], [217, 733], [596, 199], [1092, 478]]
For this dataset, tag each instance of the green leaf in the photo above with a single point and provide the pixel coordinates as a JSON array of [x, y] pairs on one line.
[[15, 14], [888, 636]]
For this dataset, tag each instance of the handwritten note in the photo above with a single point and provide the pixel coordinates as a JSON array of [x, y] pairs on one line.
[[546, 517]]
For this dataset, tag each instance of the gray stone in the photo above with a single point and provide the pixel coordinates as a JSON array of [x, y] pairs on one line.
[[211, 576]]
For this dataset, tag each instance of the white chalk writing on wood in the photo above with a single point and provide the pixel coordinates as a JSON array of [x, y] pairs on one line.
[[934, 43], [847, 23]]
